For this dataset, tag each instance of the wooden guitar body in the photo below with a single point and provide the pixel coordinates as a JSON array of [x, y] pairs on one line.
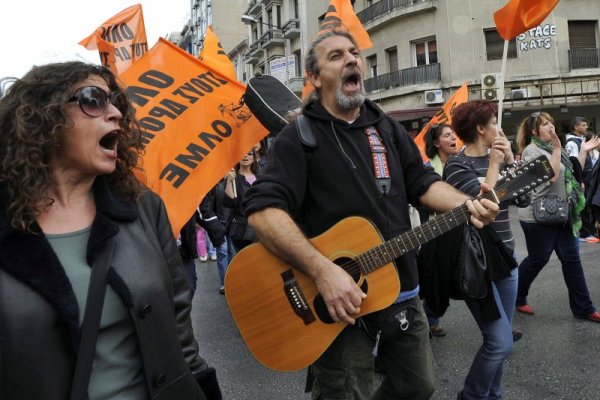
[[286, 325]]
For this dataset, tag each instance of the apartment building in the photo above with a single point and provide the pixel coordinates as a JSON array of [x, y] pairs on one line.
[[423, 50]]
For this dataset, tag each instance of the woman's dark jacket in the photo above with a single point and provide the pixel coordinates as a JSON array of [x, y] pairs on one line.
[[39, 315]]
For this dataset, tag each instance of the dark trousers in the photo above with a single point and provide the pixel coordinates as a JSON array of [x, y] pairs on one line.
[[541, 240], [400, 336]]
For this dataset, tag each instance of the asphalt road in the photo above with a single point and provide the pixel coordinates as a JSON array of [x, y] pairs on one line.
[[557, 358]]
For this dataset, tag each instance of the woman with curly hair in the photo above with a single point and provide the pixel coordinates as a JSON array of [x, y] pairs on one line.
[[69, 199]]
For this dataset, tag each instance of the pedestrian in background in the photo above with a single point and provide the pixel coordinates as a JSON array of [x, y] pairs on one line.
[[537, 136]]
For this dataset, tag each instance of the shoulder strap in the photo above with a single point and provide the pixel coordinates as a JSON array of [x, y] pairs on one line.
[[305, 131], [91, 322]]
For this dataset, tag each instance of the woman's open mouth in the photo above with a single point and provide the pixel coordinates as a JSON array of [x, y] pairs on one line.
[[109, 142]]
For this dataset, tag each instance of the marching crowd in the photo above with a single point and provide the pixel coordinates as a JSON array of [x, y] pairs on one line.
[[70, 200]]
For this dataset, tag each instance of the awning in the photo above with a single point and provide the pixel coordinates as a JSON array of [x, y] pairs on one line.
[[415, 113]]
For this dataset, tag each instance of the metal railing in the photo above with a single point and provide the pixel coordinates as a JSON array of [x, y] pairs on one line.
[[404, 77], [291, 24], [383, 7], [584, 58]]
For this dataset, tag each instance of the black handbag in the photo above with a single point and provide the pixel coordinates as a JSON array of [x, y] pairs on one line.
[[472, 265], [551, 209]]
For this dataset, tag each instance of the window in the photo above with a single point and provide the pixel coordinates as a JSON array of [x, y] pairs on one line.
[[582, 34], [494, 45], [425, 52], [582, 45], [392, 56], [372, 63]]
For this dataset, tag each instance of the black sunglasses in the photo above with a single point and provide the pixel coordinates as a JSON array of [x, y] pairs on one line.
[[93, 101]]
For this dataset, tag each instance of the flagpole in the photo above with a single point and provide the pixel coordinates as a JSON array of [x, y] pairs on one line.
[[501, 84]]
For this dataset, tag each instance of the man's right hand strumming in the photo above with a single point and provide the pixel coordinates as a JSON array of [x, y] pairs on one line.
[[342, 295]]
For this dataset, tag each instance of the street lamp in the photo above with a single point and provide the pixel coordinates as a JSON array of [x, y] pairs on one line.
[[249, 20]]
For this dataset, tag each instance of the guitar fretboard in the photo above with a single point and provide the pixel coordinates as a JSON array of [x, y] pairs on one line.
[[402, 244], [517, 182]]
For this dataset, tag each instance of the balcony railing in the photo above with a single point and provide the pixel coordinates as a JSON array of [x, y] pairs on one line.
[[271, 38], [383, 7], [404, 77], [584, 58], [254, 6], [291, 29]]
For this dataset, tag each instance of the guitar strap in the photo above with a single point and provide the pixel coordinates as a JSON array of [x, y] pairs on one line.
[[378, 150], [378, 154]]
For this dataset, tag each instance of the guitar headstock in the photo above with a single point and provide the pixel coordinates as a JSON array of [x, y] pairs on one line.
[[528, 176]]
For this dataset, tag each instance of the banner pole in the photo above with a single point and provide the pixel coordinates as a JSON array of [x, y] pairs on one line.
[[501, 84]]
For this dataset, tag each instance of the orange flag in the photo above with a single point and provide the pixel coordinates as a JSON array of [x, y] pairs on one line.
[[192, 122], [341, 16], [443, 117], [517, 16], [214, 55], [121, 40]]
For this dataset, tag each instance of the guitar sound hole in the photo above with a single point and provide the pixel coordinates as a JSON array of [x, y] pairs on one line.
[[353, 269]]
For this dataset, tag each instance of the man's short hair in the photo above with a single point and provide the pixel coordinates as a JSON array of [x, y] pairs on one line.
[[576, 121]]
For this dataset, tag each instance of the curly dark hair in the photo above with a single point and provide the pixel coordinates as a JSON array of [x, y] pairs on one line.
[[467, 116], [431, 139], [32, 118]]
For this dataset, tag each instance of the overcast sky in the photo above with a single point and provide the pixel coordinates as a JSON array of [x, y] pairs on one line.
[[42, 31]]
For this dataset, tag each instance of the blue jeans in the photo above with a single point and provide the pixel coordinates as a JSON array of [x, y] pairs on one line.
[[211, 250], [484, 380], [541, 241], [225, 253]]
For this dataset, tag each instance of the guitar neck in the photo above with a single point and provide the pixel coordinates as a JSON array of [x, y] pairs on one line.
[[388, 251]]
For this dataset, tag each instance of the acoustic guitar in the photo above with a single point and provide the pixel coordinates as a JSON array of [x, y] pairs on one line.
[[279, 312]]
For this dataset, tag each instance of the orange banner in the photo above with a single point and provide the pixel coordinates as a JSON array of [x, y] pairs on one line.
[[341, 15], [443, 117], [214, 55], [195, 128], [517, 16], [121, 40]]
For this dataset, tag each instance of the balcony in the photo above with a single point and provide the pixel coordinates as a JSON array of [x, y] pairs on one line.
[[271, 38], [254, 52], [404, 77], [291, 29], [584, 58], [271, 3], [394, 8], [254, 8]]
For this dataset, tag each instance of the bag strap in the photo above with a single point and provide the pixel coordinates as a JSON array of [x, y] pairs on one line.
[[305, 131], [91, 322]]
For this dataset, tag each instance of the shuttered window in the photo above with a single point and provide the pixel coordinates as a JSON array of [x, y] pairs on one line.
[[494, 45], [372, 61], [582, 34], [392, 54]]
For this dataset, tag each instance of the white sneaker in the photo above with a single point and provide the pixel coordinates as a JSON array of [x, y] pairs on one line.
[[213, 257], [203, 258]]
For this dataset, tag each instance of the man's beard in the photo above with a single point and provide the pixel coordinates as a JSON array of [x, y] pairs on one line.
[[352, 102]]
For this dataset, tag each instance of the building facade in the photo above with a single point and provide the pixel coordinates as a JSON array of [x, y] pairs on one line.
[[424, 50]]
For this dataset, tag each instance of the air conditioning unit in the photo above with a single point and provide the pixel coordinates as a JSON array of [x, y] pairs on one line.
[[520, 94], [489, 86], [434, 96]]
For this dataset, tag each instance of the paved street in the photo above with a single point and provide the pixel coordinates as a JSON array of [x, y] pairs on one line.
[[558, 357]]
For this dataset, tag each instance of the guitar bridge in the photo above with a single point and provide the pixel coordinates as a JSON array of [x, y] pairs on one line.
[[296, 297]]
